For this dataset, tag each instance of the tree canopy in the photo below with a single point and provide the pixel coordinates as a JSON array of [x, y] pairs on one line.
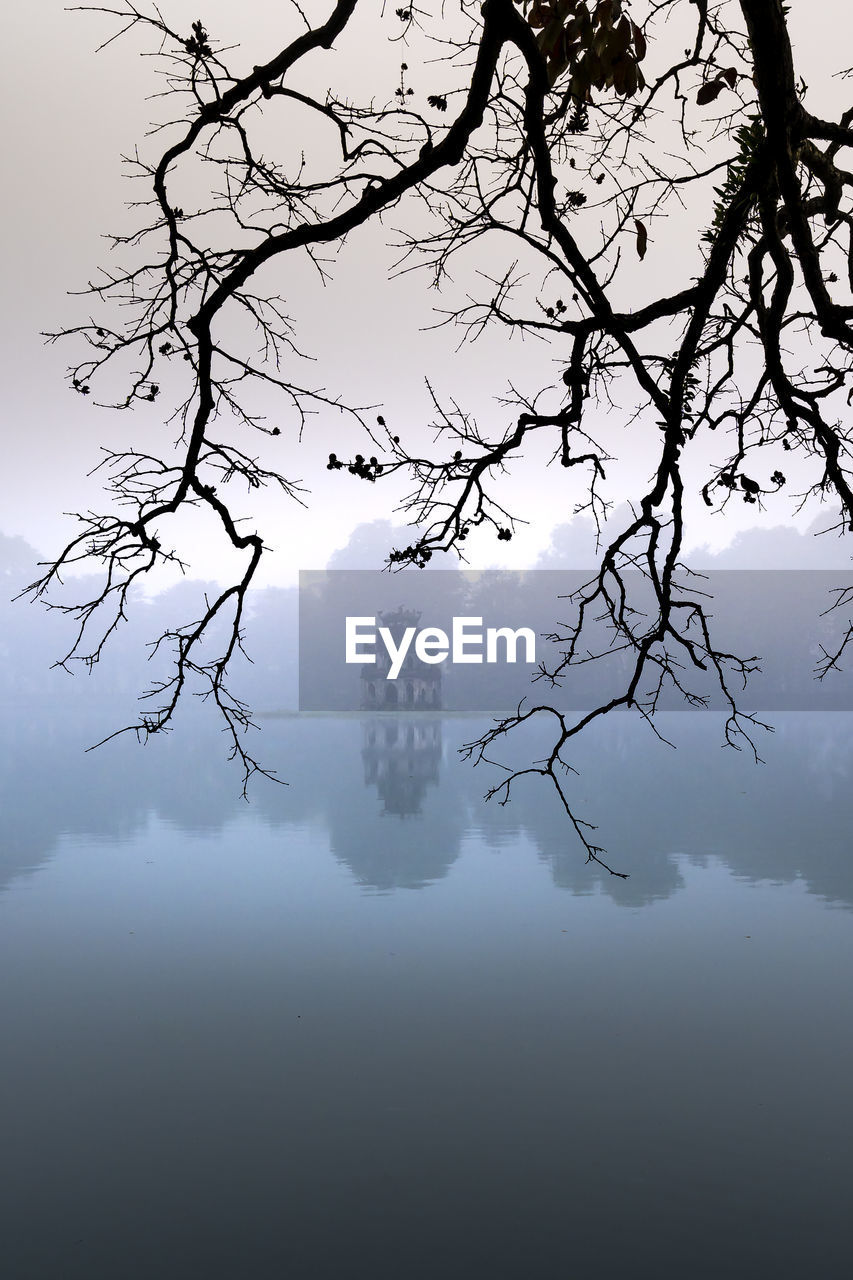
[[544, 153]]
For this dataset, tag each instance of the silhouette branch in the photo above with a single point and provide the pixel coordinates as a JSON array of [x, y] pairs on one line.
[[564, 139]]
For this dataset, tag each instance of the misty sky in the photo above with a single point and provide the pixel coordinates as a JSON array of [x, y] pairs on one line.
[[71, 115]]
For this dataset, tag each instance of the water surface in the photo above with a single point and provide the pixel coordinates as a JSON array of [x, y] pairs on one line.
[[367, 1026]]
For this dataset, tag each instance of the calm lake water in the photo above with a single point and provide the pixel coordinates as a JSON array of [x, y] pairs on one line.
[[368, 1026]]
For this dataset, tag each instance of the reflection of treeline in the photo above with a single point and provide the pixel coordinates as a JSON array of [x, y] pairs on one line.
[[784, 820], [398, 806]]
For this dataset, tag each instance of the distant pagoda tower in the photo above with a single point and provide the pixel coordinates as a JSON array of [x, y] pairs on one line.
[[417, 687]]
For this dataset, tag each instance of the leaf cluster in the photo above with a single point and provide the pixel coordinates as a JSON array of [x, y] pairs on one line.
[[598, 44]]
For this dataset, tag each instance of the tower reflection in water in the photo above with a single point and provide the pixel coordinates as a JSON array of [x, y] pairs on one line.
[[402, 758]]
